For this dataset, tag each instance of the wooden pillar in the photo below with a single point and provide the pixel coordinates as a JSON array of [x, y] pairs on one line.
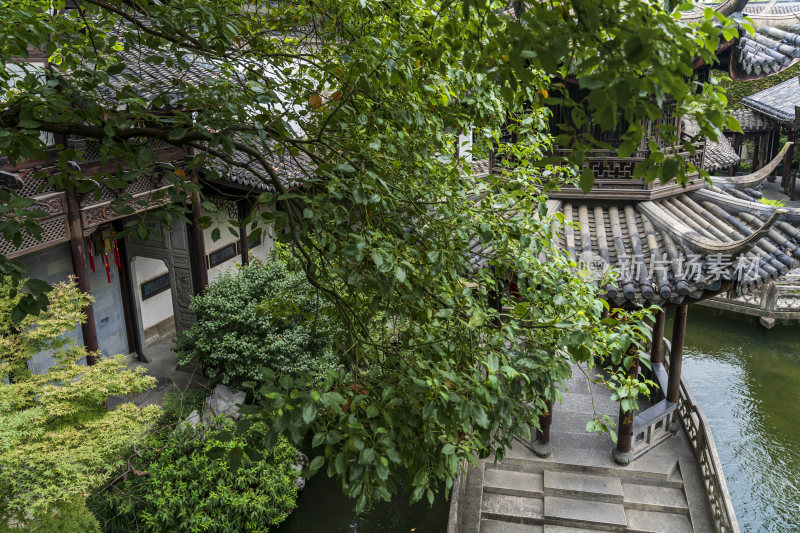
[[756, 149], [78, 247], [198, 247], [244, 211], [623, 453], [657, 350], [787, 161], [541, 446], [676, 356], [126, 290]]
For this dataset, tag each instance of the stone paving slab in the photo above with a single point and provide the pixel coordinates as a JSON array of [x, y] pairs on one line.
[[565, 529], [512, 483], [601, 488], [654, 498], [649, 522], [498, 526], [512, 508], [586, 513]]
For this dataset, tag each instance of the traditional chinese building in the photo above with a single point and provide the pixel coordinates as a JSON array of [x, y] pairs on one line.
[[141, 289]]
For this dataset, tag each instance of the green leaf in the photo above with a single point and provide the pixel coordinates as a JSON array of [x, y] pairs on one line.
[[309, 413], [399, 274], [315, 464], [344, 167], [587, 180]]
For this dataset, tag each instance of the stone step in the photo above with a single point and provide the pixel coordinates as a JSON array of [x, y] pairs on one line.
[[500, 526], [510, 508], [585, 513], [512, 483], [548, 528], [657, 522], [583, 486], [654, 498], [652, 470]]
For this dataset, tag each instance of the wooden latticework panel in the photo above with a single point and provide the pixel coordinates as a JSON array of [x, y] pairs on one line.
[[54, 231]]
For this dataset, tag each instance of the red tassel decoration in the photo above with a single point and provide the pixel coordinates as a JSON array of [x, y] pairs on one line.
[[108, 267], [89, 249]]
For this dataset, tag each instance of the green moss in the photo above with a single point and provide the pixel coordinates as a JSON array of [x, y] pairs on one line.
[[736, 90]]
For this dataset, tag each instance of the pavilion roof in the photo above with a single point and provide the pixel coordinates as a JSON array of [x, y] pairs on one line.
[[681, 248], [719, 154], [751, 120], [778, 102]]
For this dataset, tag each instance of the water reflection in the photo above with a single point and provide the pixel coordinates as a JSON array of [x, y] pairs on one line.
[[747, 380]]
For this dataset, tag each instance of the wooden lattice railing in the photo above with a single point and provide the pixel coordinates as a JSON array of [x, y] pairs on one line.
[[696, 425]]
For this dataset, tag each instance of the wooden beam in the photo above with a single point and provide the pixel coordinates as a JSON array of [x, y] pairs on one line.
[[78, 248]]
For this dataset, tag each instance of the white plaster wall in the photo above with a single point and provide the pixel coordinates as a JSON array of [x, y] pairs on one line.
[[267, 238], [54, 264], [156, 308], [222, 222]]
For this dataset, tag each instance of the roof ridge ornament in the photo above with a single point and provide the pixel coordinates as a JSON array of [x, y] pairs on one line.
[[666, 222], [735, 205], [759, 176]]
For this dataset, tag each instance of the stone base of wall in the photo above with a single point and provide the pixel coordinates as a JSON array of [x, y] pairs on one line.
[[162, 330]]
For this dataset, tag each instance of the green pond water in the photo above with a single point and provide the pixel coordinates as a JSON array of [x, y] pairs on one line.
[[747, 381]]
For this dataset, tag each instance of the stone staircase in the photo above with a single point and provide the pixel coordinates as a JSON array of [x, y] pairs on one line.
[[527, 497]]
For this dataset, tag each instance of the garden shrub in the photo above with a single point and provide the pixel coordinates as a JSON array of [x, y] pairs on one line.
[[260, 315], [71, 517], [188, 487]]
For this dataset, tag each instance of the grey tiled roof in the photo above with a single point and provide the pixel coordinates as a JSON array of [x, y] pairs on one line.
[[679, 249], [149, 80], [778, 8], [751, 120], [291, 169], [719, 154], [777, 102]]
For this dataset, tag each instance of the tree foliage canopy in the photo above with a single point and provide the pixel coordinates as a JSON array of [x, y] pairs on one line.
[[387, 223]]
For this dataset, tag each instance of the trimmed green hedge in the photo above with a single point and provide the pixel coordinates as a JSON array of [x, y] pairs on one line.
[[261, 315]]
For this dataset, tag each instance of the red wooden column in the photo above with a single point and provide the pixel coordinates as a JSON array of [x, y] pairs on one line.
[[657, 349], [244, 212], [541, 446], [676, 359], [78, 247], [787, 164], [623, 453], [198, 245]]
